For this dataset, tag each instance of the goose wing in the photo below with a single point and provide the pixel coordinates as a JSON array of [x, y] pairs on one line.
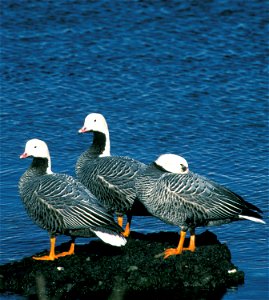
[[117, 175], [200, 195], [66, 200]]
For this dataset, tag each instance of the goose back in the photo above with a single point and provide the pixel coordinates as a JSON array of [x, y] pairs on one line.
[[189, 200]]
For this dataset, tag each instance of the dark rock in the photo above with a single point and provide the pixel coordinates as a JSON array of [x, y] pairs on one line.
[[101, 271]]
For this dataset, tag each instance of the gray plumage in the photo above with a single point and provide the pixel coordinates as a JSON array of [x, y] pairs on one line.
[[60, 204], [189, 200], [109, 178]]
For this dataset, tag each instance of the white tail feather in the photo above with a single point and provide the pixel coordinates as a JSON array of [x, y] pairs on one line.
[[252, 219], [112, 239]]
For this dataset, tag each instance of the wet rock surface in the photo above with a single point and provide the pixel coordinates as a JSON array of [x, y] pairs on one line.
[[101, 271]]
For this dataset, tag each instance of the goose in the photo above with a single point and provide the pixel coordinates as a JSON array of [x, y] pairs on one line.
[[60, 204], [174, 194], [109, 178]]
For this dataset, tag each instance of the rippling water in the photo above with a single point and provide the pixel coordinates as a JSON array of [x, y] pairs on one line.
[[185, 77]]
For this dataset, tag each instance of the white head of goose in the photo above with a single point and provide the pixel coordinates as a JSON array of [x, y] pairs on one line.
[[97, 124]]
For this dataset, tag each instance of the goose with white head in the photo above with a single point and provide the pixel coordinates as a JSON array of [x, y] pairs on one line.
[[60, 204], [174, 194], [97, 124], [109, 178]]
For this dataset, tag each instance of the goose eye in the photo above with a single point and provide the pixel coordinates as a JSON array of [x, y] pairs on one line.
[[35, 146], [94, 120], [184, 168]]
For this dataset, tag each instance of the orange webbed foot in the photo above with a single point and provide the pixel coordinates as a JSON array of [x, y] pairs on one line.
[[192, 249], [71, 251], [179, 249], [52, 255], [175, 251], [45, 257], [171, 251]]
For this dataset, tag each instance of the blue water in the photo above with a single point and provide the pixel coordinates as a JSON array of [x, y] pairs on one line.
[[184, 77]]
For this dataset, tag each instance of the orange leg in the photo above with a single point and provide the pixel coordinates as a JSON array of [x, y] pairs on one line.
[[191, 244], [120, 221], [52, 255], [179, 249], [71, 251], [127, 230]]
